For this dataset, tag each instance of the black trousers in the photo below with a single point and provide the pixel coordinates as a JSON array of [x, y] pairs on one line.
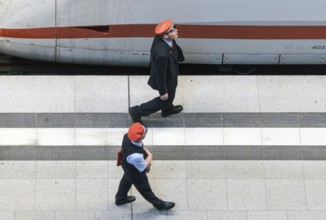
[[155, 105], [142, 185]]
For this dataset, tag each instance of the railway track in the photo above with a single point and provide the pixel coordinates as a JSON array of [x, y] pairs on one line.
[[15, 66]]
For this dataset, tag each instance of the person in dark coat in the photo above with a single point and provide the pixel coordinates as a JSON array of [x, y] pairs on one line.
[[136, 162], [164, 71]]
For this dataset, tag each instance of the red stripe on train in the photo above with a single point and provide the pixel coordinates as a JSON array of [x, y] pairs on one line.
[[185, 31]]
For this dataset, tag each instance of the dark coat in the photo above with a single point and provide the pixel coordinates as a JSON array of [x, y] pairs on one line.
[[164, 65]]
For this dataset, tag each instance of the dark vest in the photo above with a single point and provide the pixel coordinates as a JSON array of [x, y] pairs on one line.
[[129, 148]]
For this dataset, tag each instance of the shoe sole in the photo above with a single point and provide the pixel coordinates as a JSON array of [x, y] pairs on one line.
[[119, 204], [163, 115], [163, 209]]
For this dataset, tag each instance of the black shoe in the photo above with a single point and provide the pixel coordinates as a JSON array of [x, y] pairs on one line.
[[175, 110], [134, 115], [164, 205], [128, 199]]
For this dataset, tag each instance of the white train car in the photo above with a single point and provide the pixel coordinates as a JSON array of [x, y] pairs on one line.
[[120, 32]]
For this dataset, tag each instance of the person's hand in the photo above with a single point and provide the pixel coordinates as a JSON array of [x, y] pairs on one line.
[[148, 159], [165, 96], [148, 169]]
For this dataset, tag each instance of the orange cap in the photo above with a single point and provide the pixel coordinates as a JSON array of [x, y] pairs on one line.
[[164, 26], [136, 131]]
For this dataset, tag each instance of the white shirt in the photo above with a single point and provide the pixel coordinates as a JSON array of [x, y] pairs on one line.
[[169, 42], [137, 159]]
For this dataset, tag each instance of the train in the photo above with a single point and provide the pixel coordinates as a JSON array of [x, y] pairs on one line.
[[120, 32]]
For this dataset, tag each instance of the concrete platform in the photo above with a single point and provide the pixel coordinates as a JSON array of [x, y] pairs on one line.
[[113, 94], [262, 189], [245, 148]]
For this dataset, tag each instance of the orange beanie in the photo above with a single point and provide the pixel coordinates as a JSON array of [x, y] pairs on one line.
[[136, 131]]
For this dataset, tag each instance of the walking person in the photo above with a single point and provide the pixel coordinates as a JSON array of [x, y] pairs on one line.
[[136, 162], [164, 71]]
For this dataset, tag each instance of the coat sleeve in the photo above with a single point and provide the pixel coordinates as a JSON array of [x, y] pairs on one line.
[[161, 65], [181, 57]]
